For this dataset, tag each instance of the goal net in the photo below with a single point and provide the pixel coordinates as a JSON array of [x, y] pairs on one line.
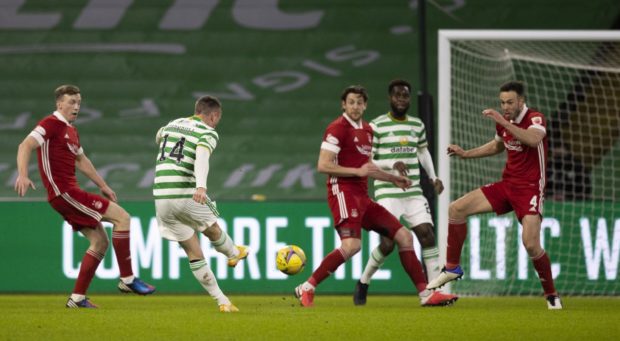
[[573, 78]]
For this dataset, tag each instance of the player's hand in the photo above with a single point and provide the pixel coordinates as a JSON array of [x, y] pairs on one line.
[[200, 195], [369, 169], [438, 186], [401, 167], [22, 183], [109, 193], [454, 149], [494, 115], [401, 182]]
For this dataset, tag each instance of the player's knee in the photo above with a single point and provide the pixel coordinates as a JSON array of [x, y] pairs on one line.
[[124, 219], [457, 210], [386, 247], [404, 238], [425, 235], [100, 245], [532, 247], [213, 232]]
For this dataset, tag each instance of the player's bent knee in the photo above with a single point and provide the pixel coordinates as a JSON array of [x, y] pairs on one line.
[[403, 238], [386, 247]]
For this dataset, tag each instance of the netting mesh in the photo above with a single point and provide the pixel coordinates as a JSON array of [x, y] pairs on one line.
[[576, 85]]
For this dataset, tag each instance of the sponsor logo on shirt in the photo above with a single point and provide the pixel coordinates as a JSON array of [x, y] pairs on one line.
[[364, 150], [514, 145], [405, 149]]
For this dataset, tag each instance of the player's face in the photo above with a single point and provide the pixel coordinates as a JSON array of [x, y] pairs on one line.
[[69, 106], [354, 106], [511, 104], [216, 116], [400, 100]]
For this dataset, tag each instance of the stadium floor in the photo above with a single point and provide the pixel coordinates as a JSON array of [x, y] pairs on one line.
[[181, 317]]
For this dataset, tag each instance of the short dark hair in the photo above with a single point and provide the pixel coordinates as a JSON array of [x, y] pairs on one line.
[[516, 86], [354, 89], [66, 89], [207, 104], [398, 82]]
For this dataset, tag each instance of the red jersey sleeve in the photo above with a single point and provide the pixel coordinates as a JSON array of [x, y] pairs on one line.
[[333, 137], [45, 130]]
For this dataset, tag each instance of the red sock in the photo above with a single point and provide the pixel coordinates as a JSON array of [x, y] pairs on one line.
[[329, 264], [120, 240], [412, 266], [457, 232], [542, 264], [90, 263]]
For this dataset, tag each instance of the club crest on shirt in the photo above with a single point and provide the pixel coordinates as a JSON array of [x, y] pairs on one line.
[[97, 204], [354, 213], [403, 141]]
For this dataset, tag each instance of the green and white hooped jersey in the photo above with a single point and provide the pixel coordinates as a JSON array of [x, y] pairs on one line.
[[174, 170], [397, 141]]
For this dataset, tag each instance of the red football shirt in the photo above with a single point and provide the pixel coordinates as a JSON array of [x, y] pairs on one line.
[[352, 142], [59, 145], [525, 166]]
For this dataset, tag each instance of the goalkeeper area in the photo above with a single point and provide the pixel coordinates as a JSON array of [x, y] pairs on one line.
[[184, 317], [573, 78]]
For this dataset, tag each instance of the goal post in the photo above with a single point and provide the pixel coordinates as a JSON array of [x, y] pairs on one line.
[[573, 78]]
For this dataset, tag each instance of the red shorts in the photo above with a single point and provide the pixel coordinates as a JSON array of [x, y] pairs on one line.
[[80, 209], [505, 197], [352, 211]]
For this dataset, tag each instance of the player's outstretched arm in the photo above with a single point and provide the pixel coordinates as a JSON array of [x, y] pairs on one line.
[[377, 173], [83, 163], [23, 182], [490, 148]]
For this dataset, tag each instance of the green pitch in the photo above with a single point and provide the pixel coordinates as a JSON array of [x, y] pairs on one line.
[[161, 317]]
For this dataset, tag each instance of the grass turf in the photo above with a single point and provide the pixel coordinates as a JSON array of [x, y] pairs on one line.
[[167, 317]]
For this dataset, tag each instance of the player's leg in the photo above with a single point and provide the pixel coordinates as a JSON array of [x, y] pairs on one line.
[[378, 254], [202, 272], [430, 252], [120, 241], [417, 215], [350, 245], [222, 243], [98, 244], [471, 203], [540, 259], [375, 261]]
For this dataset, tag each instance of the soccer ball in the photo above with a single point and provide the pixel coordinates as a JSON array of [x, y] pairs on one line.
[[291, 259]]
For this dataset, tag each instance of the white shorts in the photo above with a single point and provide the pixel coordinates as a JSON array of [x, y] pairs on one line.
[[413, 210], [180, 219]]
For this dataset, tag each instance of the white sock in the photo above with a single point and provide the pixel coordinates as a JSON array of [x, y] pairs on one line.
[[225, 246], [77, 297], [128, 280], [375, 261], [307, 286], [207, 279], [431, 261]]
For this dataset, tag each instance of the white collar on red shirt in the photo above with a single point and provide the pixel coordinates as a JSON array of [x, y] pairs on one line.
[[521, 115], [60, 117], [353, 123]]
